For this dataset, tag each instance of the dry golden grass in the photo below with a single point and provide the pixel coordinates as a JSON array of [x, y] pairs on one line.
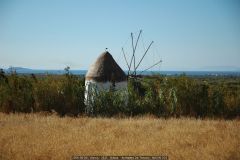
[[34, 136]]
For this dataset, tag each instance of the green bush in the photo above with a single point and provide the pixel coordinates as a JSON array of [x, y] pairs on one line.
[[72, 91], [49, 94], [16, 93], [110, 103], [19, 93]]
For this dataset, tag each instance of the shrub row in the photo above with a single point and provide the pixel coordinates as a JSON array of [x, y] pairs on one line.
[[24, 93], [161, 96]]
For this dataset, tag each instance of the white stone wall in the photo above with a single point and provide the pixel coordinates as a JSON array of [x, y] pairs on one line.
[[91, 87]]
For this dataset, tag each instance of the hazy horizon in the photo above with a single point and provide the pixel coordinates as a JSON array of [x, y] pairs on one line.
[[205, 69]]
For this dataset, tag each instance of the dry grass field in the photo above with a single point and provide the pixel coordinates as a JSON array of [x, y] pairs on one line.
[[35, 136]]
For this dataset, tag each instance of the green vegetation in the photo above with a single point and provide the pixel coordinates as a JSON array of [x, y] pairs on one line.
[[161, 96], [22, 93]]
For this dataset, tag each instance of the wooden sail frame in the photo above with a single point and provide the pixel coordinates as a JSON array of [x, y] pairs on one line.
[[132, 73]]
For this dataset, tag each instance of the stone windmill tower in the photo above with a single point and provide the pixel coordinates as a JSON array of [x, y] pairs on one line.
[[103, 75]]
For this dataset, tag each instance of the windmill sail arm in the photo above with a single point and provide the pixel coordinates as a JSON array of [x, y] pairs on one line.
[[144, 55], [134, 49], [132, 54], [137, 40], [125, 58], [152, 66]]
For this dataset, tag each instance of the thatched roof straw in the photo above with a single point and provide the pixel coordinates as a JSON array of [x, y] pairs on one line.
[[105, 69]]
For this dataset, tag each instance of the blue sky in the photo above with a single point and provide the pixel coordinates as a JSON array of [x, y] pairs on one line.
[[187, 34]]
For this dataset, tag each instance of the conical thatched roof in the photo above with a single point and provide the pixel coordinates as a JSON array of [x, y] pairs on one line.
[[105, 69]]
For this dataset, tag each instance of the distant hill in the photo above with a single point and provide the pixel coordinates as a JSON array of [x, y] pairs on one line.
[[18, 69]]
